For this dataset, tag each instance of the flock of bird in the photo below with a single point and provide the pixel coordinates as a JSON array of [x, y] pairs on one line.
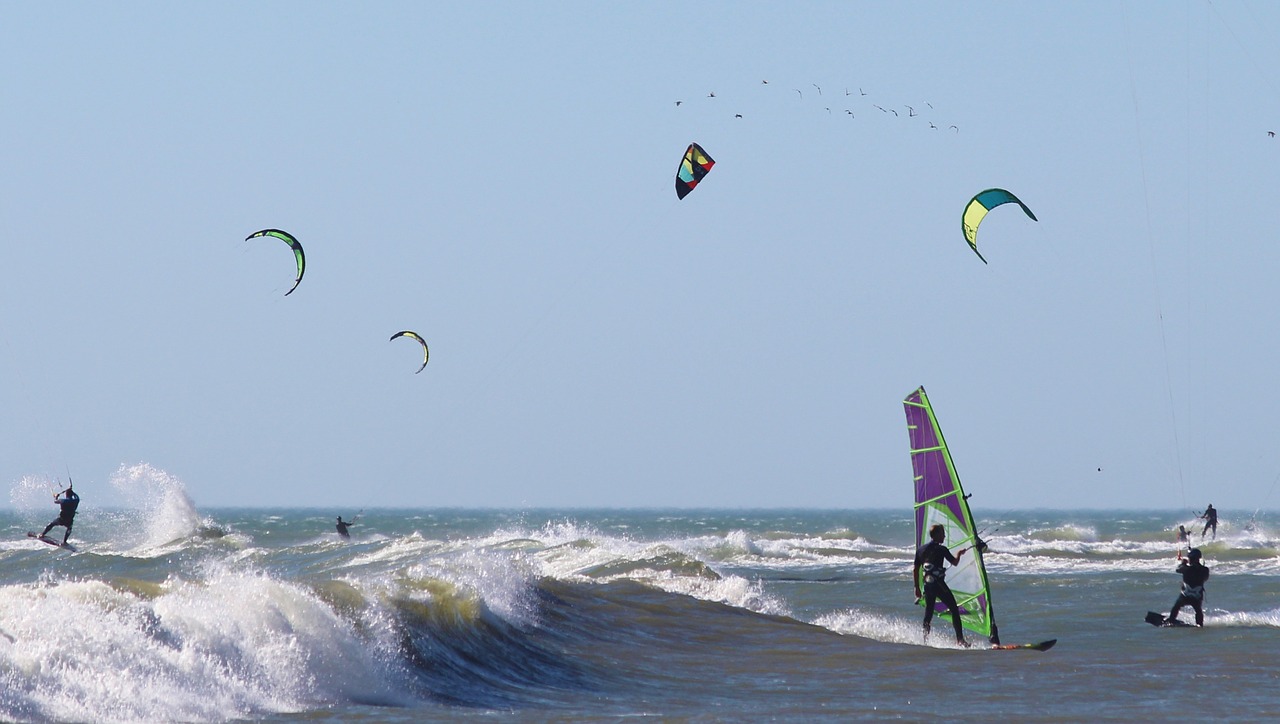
[[853, 99]]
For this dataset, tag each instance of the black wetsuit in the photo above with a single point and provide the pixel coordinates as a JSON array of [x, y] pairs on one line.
[[1194, 576], [69, 503], [342, 527], [1210, 521], [929, 558]]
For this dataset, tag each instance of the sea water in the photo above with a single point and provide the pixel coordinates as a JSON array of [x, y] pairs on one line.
[[173, 613]]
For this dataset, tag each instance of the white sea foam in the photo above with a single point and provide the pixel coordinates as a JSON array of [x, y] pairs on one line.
[[890, 629], [1245, 618], [571, 551], [230, 647]]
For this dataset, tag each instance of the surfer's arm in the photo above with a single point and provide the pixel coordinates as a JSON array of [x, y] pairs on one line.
[[915, 577]]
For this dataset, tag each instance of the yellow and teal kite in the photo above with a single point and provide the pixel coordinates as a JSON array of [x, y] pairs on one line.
[[426, 354], [287, 238], [977, 209], [695, 164]]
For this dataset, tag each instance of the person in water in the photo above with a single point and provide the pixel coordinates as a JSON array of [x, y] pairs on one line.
[[1210, 521], [343, 525], [1184, 535], [1194, 575], [930, 558], [69, 502]]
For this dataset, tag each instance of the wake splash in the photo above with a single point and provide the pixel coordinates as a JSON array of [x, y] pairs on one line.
[[158, 512]]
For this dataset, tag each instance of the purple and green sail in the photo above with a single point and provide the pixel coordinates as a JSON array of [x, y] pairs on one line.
[[940, 499]]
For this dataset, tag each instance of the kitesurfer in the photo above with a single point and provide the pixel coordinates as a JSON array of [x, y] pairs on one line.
[[1184, 535], [930, 557], [1210, 517], [69, 501], [343, 525], [1194, 575]]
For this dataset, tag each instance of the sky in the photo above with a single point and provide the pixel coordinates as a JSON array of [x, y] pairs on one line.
[[499, 177]]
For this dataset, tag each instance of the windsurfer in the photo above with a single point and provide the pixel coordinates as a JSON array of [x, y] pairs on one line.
[[930, 557], [1210, 517], [1194, 575], [69, 502]]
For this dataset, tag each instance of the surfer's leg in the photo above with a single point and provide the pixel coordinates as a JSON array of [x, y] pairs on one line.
[[1199, 609], [66, 535], [1177, 606], [949, 600], [47, 528], [930, 598]]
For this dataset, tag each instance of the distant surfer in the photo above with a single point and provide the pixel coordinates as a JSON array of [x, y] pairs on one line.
[[1184, 535], [1194, 575], [1210, 517], [343, 525], [69, 502], [930, 557]]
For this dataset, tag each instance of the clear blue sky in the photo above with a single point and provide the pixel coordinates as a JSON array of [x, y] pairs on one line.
[[499, 178]]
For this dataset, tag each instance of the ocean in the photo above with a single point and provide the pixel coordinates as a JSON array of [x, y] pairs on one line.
[[173, 613]]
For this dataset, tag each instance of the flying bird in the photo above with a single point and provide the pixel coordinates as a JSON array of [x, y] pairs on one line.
[[911, 112], [882, 110], [797, 90], [815, 85], [679, 102], [712, 94], [737, 115], [1271, 133], [957, 128], [862, 91]]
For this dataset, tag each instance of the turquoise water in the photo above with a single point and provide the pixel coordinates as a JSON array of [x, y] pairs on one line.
[[173, 613]]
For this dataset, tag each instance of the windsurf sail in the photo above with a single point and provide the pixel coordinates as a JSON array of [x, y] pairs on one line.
[[940, 499]]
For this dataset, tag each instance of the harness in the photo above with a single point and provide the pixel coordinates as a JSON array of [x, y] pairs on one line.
[[933, 574], [1195, 592]]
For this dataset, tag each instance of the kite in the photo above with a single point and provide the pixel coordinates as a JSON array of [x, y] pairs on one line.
[[287, 238], [695, 164], [977, 209], [426, 354]]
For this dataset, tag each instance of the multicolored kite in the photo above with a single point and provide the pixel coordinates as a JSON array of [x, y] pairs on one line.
[[287, 238], [426, 354], [695, 164], [977, 209]]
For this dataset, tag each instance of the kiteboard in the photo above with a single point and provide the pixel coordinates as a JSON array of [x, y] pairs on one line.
[[52, 542], [1042, 646], [1158, 619]]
